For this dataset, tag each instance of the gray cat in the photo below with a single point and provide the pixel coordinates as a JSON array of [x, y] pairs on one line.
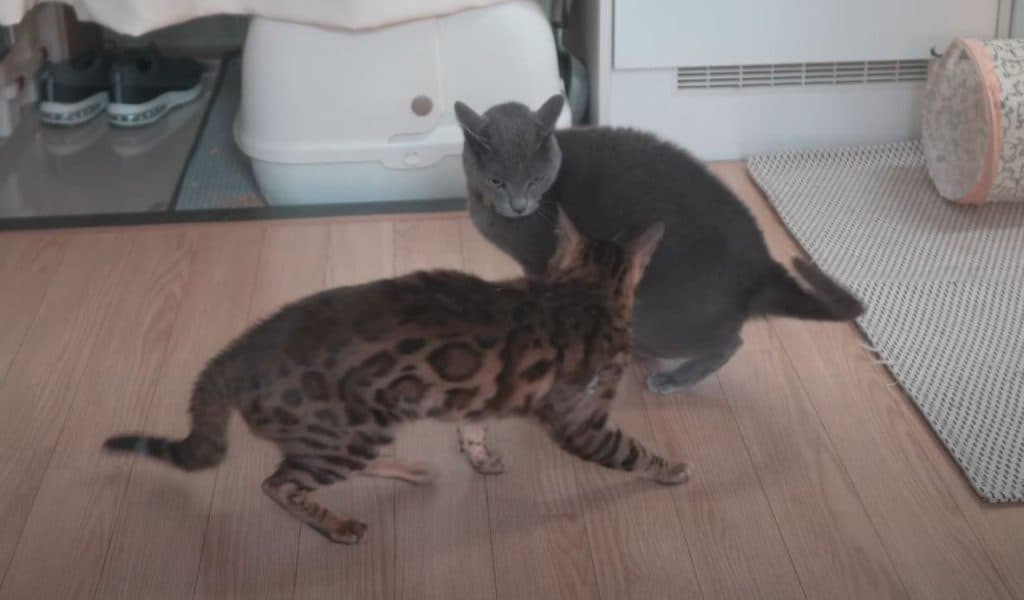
[[712, 271]]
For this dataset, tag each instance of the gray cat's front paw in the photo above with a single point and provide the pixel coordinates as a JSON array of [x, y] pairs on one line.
[[665, 383]]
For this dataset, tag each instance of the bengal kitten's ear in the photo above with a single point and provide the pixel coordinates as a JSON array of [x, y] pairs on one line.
[[569, 244], [640, 251]]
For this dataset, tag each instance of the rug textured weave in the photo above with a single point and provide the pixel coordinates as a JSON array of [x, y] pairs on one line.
[[218, 175], [943, 284]]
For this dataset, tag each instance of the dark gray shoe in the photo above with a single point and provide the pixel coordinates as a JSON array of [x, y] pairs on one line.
[[74, 91], [145, 85]]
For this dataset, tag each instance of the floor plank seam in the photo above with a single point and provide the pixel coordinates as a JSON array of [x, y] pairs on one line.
[[938, 452], [586, 531], [145, 418], [394, 449], [216, 474], [487, 484], [931, 457], [490, 533], [106, 315], [325, 282], [839, 457], [35, 314], [675, 505], [764, 491]]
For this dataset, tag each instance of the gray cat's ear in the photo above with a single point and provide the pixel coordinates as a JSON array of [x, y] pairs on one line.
[[547, 115], [569, 244], [642, 249], [472, 125]]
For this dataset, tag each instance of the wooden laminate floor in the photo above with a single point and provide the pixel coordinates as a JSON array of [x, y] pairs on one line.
[[812, 475]]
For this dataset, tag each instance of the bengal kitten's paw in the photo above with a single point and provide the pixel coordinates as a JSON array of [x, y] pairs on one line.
[[348, 532], [420, 473], [481, 458], [491, 465], [673, 474]]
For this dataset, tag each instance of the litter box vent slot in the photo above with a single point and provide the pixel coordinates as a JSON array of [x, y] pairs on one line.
[[801, 74]]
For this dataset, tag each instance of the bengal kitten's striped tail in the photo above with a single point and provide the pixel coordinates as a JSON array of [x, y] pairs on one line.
[[204, 447]]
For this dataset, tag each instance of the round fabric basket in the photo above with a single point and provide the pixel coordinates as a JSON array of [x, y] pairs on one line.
[[973, 126]]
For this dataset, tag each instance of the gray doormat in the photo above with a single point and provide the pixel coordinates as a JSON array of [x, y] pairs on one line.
[[218, 175], [944, 287]]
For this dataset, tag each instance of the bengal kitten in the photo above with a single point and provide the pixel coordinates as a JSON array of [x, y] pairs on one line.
[[331, 377]]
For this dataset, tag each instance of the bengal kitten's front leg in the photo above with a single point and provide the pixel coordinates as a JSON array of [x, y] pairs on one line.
[[592, 440], [473, 444]]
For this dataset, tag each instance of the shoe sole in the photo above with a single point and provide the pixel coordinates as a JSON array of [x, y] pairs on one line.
[[137, 115], [74, 113], [130, 142]]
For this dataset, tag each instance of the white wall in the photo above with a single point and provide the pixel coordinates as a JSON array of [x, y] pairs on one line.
[[1017, 19], [732, 123], [652, 34]]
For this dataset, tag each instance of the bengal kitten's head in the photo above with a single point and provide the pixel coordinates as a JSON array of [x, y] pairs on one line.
[[617, 268]]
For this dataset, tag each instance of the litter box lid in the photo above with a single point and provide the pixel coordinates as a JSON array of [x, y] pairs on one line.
[[315, 95]]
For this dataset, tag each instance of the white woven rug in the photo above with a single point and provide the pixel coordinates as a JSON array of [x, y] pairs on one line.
[[943, 285]]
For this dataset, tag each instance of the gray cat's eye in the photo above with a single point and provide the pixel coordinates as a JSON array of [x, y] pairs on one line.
[[497, 183]]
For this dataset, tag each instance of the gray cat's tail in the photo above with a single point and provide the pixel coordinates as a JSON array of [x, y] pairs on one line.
[[204, 447], [781, 295]]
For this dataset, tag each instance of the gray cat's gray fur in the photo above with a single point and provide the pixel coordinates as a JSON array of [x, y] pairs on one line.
[[712, 271]]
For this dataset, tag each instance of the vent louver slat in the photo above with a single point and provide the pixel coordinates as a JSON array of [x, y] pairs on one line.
[[801, 74]]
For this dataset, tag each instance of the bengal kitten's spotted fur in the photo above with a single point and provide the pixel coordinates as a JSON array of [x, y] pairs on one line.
[[329, 378]]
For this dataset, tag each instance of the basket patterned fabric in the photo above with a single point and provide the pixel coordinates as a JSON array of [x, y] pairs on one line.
[[973, 122]]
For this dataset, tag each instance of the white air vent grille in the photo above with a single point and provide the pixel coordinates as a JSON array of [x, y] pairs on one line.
[[801, 74]]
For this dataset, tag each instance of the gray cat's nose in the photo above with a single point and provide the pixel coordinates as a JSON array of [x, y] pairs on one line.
[[518, 204]]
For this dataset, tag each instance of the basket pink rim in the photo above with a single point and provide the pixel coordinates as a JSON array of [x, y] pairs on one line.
[[985, 66]]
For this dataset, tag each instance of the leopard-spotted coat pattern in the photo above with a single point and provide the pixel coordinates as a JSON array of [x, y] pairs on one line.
[[330, 378]]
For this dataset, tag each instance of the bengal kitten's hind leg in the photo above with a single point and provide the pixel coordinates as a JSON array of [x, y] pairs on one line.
[[414, 472], [473, 444], [593, 441], [297, 477]]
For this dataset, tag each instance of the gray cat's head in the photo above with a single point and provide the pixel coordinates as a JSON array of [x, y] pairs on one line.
[[510, 156]]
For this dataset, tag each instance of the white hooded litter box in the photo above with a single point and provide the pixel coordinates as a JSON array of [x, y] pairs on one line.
[[332, 116]]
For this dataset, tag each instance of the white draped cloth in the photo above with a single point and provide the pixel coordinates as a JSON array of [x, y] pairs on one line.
[[135, 17]]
